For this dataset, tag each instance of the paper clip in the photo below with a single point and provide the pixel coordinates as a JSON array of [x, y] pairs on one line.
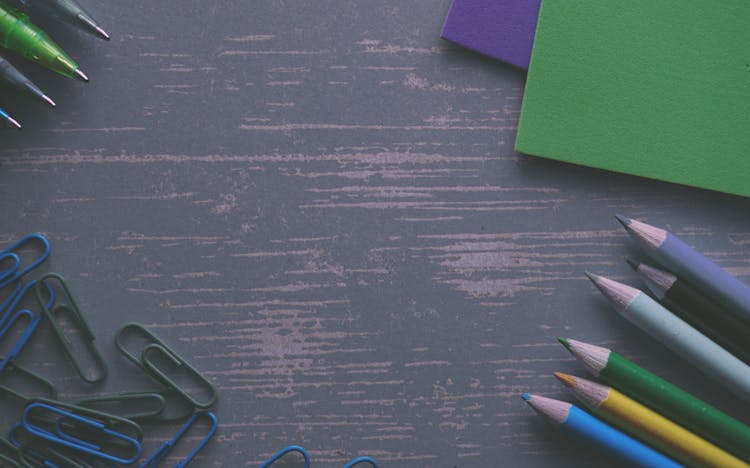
[[5, 306], [71, 307], [19, 292], [281, 453], [15, 247], [157, 400], [61, 436], [359, 460], [23, 339], [34, 452], [8, 454], [13, 367], [116, 423], [155, 458], [146, 362], [8, 272]]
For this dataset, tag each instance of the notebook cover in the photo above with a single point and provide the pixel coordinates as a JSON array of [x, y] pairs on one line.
[[503, 29], [657, 89]]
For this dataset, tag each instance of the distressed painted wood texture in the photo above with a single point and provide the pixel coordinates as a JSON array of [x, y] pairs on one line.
[[318, 204]]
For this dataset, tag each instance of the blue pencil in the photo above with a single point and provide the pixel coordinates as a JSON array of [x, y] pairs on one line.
[[688, 264], [13, 122], [573, 419]]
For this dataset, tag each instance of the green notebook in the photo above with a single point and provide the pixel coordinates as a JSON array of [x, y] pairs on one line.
[[656, 88]]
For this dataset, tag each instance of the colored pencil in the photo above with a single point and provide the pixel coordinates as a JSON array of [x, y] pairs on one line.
[[572, 419], [727, 330], [663, 397], [687, 263], [648, 426], [651, 317]]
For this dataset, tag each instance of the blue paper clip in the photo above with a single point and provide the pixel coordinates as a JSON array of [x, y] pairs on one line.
[[283, 452], [28, 331], [156, 457], [61, 438], [15, 247], [17, 288], [19, 292], [359, 460], [4, 274], [33, 453]]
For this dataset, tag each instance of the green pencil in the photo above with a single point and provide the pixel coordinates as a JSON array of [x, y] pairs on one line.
[[663, 397]]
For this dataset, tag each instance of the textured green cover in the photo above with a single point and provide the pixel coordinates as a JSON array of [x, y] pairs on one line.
[[654, 88]]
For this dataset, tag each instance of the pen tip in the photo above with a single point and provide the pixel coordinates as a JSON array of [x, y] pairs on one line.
[[624, 220], [633, 264], [48, 100], [102, 33], [14, 122], [526, 397], [81, 75], [564, 342]]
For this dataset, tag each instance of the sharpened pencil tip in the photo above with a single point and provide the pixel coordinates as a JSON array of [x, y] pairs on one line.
[[564, 342], [81, 75], [526, 397], [633, 263], [624, 220], [48, 100], [593, 277], [567, 380], [13, 122]]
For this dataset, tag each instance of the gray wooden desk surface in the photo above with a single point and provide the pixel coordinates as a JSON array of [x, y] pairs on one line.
[[319, 205]]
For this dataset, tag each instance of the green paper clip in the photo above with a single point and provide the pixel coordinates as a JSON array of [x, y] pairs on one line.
[[71, 307], [8, 454], [121, 400], [31, 376], [146, 362]]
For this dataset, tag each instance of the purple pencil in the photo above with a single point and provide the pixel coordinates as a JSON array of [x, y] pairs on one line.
[[687, 263]]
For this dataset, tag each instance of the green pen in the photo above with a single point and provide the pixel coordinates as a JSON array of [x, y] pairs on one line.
[[18, 80], [17, 33], [68, 11]]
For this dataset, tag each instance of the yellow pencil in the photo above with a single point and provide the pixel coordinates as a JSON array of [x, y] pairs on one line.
[[650, 427]]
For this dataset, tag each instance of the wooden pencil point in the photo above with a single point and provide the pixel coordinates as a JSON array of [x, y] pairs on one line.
[[566, 379], [624, 220], [634, 264], [564, 342]]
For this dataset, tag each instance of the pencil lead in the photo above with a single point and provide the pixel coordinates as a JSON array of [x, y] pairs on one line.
[[48, 100], [633, 263], [566, 379], [593, 277], [624, 220], [526, 397], [564, 342], [81, 75]]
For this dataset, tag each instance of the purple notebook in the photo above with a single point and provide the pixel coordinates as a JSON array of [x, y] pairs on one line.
[[503, 29]]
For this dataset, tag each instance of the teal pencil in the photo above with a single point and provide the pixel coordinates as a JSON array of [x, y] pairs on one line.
[[651, 317]]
